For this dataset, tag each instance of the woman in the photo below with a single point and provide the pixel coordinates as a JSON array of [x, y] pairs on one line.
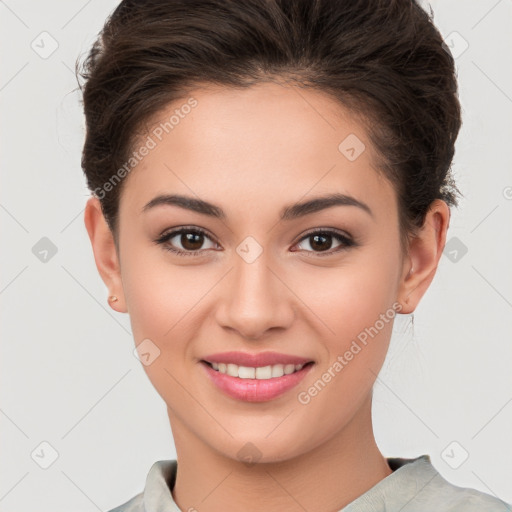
[[271, 186]]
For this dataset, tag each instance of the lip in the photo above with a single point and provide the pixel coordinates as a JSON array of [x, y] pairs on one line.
[[255, 390], [255, 360]]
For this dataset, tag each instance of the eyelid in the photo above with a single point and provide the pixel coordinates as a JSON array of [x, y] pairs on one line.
[[332, 231], [185, 229], [345, 239], [170, 233]]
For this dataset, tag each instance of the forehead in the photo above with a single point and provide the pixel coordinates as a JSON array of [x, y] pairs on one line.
[[247, 147]]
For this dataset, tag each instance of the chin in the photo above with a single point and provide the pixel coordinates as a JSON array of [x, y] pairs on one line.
[[259, 450]]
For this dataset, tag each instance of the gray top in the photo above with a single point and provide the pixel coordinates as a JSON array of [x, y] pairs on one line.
[[414, 486]]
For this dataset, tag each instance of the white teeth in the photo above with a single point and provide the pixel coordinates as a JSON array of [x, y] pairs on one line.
[[264, 372], [277, 370], [245, 372], [261, 372], [289, 368], [232, 370]]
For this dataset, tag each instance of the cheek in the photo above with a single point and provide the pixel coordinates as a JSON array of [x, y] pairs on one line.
[[160, 294], [161, 299], [353, 295], [356, 304]]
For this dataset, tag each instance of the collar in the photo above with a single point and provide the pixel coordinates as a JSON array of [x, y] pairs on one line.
[[391, 493]]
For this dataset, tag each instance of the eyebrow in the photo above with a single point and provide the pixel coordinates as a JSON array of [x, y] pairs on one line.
[[290, 212]]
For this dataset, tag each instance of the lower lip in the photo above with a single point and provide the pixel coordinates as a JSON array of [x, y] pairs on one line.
[[255, 390]]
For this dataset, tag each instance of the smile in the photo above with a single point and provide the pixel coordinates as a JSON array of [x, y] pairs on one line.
[[260, 372], [255, 383]]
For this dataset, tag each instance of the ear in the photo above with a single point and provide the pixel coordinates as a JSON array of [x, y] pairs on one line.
[[425, 250], [105, 252]]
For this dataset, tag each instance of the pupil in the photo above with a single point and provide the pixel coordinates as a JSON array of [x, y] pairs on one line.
[[192, 241], [318, 240]]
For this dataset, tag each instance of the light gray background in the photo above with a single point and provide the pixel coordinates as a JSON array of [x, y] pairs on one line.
[[68, 374]]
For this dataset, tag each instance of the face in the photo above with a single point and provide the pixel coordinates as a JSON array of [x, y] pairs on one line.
[[319, 283]]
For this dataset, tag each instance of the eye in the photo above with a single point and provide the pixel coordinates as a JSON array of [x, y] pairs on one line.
[[190, 239], [320, 241]]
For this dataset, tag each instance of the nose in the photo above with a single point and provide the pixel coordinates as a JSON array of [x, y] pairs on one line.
[[255, 300]]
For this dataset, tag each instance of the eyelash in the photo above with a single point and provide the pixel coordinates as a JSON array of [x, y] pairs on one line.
[[343, 239]]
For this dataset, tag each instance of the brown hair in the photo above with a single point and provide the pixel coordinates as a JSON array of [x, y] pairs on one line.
[[383, 59]]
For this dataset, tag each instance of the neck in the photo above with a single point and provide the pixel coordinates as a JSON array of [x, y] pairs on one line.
[[326, 478]]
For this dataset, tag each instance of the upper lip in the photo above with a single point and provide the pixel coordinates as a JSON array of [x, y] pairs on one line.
[[255, 360]]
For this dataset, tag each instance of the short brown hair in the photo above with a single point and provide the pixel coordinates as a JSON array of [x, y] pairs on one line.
[[383, 59]]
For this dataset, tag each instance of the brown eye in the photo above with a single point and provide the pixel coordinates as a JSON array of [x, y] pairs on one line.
[[322, 241], [186, 241], [191, 241]]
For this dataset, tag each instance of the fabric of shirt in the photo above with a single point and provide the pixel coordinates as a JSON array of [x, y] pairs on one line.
[[414, 486]]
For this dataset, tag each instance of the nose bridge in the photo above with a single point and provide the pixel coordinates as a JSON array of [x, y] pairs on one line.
[[256, 300]]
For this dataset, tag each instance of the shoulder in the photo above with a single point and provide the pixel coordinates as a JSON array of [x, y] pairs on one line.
[[135, 504], [429, 489], [157, 491], [454, 498]]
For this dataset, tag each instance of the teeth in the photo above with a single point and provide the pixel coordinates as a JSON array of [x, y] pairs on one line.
[[289, 368], [232, 370], [261, 372]]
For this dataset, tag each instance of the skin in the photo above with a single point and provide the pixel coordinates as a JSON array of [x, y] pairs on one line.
[[252, 152]]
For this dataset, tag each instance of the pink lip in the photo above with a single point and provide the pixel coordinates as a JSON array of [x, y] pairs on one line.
[[255, 390], [255, 360]]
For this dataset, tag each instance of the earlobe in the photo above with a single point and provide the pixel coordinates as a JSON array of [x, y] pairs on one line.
[[105, 254], [425, 250]]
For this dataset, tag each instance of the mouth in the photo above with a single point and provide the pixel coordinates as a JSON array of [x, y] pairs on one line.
[[256, 372], [255, 383]]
